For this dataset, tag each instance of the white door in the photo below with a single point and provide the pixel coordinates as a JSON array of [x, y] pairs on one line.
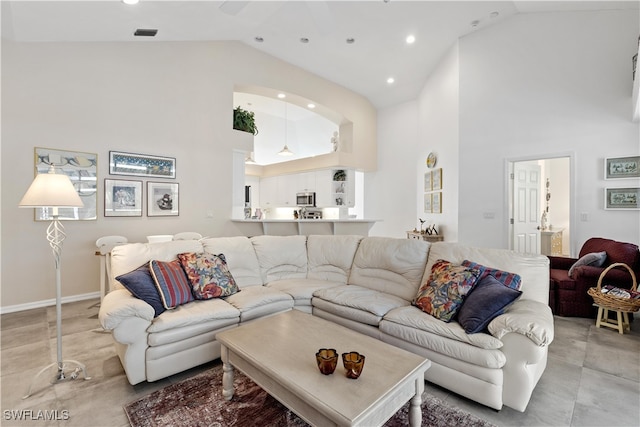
[[526, 207]]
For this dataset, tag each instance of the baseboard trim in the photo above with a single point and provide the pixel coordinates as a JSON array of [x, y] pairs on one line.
[[47, 302]]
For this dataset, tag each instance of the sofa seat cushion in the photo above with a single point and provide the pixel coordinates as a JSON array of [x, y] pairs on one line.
[[355, 302], [415, 318], [454, 348], [561, 279], [257, 301], [194, 313], [301, 290], [183, 333]]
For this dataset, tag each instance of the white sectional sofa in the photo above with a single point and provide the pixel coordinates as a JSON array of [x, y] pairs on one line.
[[364, 283]]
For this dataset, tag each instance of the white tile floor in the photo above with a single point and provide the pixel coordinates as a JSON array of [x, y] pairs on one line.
[[592, 377]]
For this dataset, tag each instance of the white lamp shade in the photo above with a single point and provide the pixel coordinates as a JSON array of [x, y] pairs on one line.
[[50, 190]]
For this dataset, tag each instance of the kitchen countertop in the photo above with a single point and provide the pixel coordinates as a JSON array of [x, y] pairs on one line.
[[307, 220]]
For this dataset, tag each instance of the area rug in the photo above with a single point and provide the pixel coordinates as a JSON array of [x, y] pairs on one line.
[[198, 402]]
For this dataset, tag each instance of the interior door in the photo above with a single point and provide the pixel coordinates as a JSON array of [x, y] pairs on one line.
[[526, 207]]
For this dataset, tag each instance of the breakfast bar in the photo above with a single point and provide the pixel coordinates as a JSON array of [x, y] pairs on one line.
[[287, 227]]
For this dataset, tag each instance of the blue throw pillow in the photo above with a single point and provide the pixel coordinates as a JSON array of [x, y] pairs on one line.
[[486, 300], [141, 285]]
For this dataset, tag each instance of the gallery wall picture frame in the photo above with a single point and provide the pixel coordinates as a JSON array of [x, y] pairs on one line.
[[437, 202], [82, 170], [622, 198], [163, 199], [150, 166], [436, 178], [122, 197], [427, 181], [427, 203], [622, 167]]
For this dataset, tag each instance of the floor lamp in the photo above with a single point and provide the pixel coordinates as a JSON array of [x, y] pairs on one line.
[[52, 190]]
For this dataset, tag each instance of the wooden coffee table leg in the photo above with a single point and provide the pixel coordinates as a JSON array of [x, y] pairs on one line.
[[227, 374], [415, 407]]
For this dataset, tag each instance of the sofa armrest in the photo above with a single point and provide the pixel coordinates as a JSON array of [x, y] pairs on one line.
[[589, 274], [532, 319], [560, 263], [119, 305]]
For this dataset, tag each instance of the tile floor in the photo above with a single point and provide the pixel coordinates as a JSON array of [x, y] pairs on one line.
[[592, 377]]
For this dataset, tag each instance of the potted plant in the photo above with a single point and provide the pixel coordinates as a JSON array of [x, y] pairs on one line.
[[244, 120]]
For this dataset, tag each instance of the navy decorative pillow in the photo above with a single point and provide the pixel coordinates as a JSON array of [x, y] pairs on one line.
[[487, 299], [141, 285]]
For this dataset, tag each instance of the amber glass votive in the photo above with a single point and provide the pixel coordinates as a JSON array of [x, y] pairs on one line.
[[327, 359], [353, 363]]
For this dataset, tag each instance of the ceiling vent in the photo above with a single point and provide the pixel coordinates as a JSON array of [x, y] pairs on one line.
[[140, 32]]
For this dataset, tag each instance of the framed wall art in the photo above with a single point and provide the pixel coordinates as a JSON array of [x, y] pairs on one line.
[[162, 199], [122, 197], [622, 198], [437, 179], [141, 165], [82, 169], [427, 203], [427, 181], [622, 167], [437, 202]]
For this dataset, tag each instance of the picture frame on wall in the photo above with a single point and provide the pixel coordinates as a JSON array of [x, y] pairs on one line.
[[82, 170], [427, 181], [163, 199], [121, 163], [427, 203], [437, 179], [437, 202], [622, 167], [622, 198], [122, 197]]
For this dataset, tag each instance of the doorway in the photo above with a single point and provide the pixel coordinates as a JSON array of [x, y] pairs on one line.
[[537, 186]]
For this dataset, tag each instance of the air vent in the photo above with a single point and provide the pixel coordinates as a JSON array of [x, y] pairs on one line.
[[145, 32]]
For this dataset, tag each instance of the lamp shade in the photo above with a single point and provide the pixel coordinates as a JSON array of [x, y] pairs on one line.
[[51, 190]]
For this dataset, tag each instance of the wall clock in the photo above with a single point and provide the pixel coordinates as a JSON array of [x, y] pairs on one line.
[[432, 159]]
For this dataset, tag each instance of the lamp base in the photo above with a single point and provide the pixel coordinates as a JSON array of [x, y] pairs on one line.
[[60, 375]]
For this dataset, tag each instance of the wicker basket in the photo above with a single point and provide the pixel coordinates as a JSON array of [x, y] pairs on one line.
[[612, 302]]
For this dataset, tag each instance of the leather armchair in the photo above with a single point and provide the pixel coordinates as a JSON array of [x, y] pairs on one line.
[[568, 295]]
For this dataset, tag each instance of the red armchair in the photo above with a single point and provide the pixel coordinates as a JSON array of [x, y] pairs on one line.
[[568, 295]]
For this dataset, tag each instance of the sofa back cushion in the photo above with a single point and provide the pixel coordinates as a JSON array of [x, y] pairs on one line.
[[532, 268], [616, 251], [126, 258], [241, 258], [330, 257], [281, 257], [390, 265]]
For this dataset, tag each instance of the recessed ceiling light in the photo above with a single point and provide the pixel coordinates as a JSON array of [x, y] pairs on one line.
[[258, 39], [311, 106], [130, 1], [390, 80], [475, 23], [304, 40], [282, 95], [351, 40], [494, 14], [410, 39]]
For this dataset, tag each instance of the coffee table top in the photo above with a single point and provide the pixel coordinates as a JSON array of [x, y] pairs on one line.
[[284, 347]]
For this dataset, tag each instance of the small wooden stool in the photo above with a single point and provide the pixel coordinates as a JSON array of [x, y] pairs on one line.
[[622, 323]]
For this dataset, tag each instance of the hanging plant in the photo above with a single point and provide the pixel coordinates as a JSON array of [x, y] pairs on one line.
[[244, 120]]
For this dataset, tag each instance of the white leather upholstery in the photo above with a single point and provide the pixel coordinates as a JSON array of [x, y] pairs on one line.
[[330, 257], [281, 257], [240, 256]]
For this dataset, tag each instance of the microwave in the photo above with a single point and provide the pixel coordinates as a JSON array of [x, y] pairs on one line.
[[306, 199]]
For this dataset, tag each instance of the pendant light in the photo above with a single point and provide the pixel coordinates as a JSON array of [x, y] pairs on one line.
[[285, 151]]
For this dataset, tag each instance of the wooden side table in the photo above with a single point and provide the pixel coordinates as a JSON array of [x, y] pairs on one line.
[[622, 320], [426, 237]]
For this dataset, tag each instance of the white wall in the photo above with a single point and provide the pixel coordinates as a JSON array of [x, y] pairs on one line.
[[170, 99], [539, 84]]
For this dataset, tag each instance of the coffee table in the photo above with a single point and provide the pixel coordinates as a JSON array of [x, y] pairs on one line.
[[278, 354]]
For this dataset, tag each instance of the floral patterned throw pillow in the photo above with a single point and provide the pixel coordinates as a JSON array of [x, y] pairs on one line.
[[442, 294], [208, 275]]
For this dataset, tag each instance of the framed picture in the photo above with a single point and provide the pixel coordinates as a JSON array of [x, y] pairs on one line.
[[427, 181], [141, 165], [437, 202], [82, 169], [162, 199], [622, 167], [622, 198], [427, 203], [122, 197], [437, 179]]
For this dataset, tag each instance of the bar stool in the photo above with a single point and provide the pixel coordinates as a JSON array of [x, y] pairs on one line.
[[105, 245]]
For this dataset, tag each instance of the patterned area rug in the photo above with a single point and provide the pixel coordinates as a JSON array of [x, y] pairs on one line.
[[198, 401]]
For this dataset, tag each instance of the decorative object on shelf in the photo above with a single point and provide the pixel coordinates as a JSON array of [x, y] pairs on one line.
[[258, 213], [437, 202], [545, 222], [141, 165], [436, 178], [244, 121], [327, 360], [622, 198], [432, 159], [335, 140], [163, 199], [81, 168], [122, 198], [353, 364], [422, 221], [622, 167], [54, 191], [427, 181], [340, 175], [431, 230]]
